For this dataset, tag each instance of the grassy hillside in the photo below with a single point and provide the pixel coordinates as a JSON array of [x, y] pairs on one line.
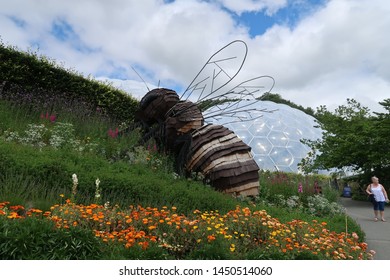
[[55, 123]]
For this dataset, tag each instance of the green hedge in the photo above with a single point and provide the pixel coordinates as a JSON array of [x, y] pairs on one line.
[[33, 73]]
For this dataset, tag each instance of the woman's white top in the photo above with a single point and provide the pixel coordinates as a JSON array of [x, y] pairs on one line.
[[378, 193]]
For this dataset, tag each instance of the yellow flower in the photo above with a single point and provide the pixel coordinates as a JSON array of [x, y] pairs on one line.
[[62, 195]]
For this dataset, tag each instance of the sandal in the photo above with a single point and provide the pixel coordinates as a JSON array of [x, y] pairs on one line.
[[376, 219], [383, 220]]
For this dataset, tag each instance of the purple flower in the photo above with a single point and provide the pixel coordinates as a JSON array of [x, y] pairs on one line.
[[300, 188], [113, 133], [51, 118]]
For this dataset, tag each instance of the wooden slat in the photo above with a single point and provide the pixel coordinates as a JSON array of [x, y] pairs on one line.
[[220, 151], [242, 157], [226, 140], [247, 189]]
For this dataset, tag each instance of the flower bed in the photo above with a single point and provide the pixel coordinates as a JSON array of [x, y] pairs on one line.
[[237, 234]]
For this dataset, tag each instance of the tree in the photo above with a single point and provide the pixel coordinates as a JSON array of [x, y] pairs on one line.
[[352, 137]]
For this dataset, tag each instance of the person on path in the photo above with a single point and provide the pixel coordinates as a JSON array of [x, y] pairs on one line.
[[380, 196]]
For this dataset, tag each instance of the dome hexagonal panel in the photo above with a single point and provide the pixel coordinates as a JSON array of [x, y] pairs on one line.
[[244, 135], [265, 162], [259, 129], [297, 149], [260, 146], [275, 137], [281, 156], [278, 138]]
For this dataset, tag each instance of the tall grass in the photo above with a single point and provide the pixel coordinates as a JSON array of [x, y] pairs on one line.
[[21, 188]]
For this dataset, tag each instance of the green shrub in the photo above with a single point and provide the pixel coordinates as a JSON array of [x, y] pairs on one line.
[[42, 76], [39, 239], [119, 252], [320, 206], [217, 250]]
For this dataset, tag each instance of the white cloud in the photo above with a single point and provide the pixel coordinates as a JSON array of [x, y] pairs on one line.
[[269, 6], [134, 88], [338, 51]]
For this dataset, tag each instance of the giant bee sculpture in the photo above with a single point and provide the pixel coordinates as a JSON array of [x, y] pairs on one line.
[[183, 126]]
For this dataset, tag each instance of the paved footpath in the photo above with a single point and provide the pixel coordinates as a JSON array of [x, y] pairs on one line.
[[377, 233]]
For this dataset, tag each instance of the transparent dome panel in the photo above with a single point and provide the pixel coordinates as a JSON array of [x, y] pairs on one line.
[[293, 133], [275, 124], [245, 136], [274, 137], [297, 149], [281, 156], [265, 163], [260, 146], [259, 128], [278, 138], [240, 125]]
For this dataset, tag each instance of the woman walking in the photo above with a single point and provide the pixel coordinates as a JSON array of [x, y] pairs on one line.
[[380, 196]]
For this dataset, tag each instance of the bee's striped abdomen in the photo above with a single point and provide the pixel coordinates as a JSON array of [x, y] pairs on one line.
[[224, 159]]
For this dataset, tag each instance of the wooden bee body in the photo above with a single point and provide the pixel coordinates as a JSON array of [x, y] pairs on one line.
[[212, 150], [178, 125]]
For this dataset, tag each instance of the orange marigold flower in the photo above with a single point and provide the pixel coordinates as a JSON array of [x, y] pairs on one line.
[[13, 215], [210, 238]]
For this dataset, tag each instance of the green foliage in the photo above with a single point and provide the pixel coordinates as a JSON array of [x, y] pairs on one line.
[[274, 184], [129, 174], [320, 206], [354, 138], [121, 182], [277, 98], [217, 250], [136, 252], [39, 239], [33, 72]]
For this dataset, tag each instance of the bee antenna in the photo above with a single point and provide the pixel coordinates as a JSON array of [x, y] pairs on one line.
[[140, 77]]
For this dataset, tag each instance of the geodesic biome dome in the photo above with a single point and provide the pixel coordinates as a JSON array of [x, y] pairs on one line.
[[274, 136]]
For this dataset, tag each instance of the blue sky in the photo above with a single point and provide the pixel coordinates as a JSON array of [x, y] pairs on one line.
[[259, 21], [320, 52]]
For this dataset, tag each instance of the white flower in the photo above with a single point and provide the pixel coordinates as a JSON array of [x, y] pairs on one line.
[[75, 180]]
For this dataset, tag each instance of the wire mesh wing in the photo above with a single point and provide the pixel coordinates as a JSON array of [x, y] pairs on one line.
[[217, 72], [239, 103]]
